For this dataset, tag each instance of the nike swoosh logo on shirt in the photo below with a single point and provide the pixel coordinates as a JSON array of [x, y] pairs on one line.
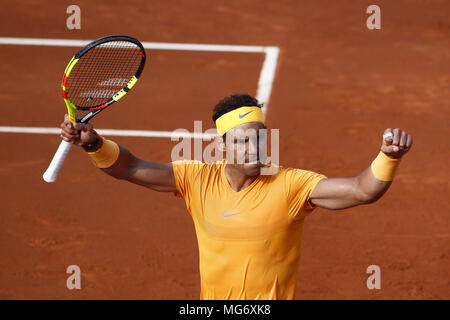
[[243, 115], [229, 214]]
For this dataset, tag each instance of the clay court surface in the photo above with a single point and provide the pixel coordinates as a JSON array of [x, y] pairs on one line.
[[338, 86]]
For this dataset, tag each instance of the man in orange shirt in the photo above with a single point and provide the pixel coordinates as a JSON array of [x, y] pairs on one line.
[[248, 225]]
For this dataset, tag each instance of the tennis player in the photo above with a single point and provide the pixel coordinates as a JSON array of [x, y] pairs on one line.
[[248, 225]]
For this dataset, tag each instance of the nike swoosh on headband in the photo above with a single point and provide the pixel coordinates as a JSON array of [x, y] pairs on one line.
[[241, 116]]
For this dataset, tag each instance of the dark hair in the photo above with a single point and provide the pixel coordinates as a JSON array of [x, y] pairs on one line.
[[233, 102]]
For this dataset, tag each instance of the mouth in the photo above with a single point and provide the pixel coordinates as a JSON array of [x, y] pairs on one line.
[[254, 163], [252, 160]]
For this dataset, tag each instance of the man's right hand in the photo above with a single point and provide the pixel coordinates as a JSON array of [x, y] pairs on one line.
[[78, 133]]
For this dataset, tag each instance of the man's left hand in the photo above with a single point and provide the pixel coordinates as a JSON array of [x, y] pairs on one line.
[[396, 142]]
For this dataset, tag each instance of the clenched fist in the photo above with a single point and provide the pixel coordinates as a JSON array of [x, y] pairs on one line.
[[396, 142], [80, 134]]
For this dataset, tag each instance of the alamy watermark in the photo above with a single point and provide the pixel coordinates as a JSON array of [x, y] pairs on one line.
[[242, 147], [74, 19], [374, 281], [74, 280], [374, 20]]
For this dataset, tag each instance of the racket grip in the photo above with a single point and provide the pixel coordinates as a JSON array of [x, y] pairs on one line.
[[58, 159]]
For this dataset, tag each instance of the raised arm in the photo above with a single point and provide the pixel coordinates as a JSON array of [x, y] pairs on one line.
[[156, 176], [371, 184]]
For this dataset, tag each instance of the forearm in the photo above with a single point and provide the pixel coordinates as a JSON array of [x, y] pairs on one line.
[[368, 188], [375, 180], [123, 166], [120, 163], [116, 160], [111, 158]]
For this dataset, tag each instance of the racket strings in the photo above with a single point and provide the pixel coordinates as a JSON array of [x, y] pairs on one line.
[[103, 71]]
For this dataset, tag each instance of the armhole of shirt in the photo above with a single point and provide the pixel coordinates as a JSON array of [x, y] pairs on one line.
[[309, 206], [175, 169]]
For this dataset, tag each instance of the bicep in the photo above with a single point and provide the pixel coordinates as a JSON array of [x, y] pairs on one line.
[[336, 193], [156, 176]]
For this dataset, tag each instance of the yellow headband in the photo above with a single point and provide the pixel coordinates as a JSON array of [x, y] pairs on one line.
[[238, 116]]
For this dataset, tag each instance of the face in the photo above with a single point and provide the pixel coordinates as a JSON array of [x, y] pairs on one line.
[[241, 148]]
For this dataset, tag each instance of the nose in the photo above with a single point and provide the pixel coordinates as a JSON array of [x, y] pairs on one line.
[[253, 146]]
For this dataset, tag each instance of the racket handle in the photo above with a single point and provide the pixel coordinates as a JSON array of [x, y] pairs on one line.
[[58, 159]]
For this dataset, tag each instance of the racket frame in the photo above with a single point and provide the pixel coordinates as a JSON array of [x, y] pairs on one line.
[[52, 171]]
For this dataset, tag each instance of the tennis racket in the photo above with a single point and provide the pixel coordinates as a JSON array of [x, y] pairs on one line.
[[101, 73]]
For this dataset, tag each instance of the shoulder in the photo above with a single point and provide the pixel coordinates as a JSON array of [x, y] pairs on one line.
[[295, 177], [197, 163], [195, 166], [297, 172]]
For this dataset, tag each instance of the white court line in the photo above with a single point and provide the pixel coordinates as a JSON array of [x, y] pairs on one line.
[[265, 81], [267, 77], [147, 45], [112, 132]]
